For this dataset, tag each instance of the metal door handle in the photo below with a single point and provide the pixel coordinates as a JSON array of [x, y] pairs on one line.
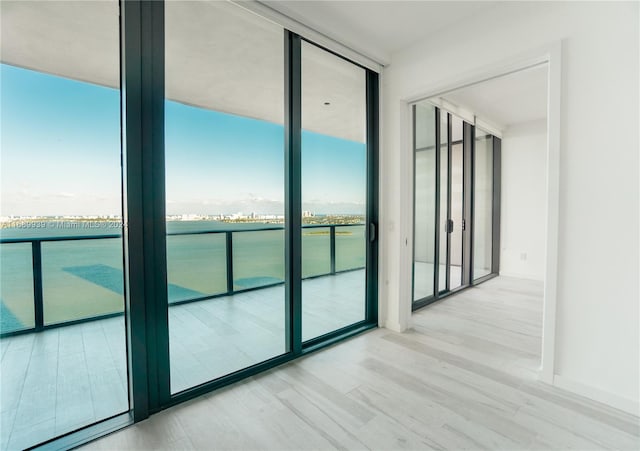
[[449, 227]]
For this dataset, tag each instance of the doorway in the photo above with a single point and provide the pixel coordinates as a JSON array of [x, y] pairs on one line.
[[511, 130], [456, 203]]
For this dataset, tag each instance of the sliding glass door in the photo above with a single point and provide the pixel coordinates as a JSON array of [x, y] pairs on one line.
[[456, 203], [425, 203], [189, 197], [443, 196], [334, 192], [451, 229], [483, 208], [224, 147], [63, 333], [268, 171], [451, 203], [439, 202]]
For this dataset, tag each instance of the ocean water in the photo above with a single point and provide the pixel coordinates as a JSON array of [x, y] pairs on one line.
[[84, 278]]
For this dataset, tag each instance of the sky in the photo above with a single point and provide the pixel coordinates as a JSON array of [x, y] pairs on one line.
[[60, 155]]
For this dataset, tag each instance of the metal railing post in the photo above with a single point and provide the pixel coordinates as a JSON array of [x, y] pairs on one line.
[[36, 254], [332, 239], [38, 304], [229, 252]]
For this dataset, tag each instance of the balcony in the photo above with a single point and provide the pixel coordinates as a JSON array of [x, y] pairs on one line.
[[225, 288]]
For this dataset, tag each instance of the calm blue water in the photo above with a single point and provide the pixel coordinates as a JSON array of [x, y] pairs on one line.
[[84, 278], [86, 228]]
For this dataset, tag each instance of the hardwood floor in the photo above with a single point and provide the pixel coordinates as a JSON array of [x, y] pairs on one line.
[[463, 378], [61, 379]]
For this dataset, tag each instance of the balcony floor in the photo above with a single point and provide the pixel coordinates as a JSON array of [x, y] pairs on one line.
[[62, 379]]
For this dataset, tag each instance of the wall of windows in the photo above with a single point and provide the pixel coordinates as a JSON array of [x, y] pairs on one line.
[[214, 218]]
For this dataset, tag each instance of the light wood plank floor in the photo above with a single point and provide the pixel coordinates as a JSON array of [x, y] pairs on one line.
[[65, 378], [463, 378], [423, 279]]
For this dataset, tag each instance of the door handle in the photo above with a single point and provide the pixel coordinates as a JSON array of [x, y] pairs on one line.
[[449, 227], [372, 232]]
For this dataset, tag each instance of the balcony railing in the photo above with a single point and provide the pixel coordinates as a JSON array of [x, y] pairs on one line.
[[236, 253]]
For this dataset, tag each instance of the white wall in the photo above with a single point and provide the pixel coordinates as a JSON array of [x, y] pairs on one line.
[[597, 340], [523, 201]]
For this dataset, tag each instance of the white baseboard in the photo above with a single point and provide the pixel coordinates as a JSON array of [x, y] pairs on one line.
[[521, 276], [626, 405], [394, 326]]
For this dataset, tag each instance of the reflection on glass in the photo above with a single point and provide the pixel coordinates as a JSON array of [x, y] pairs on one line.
[[196, 266], [443, 263], [457, 208], [91, 270], [258, 259], [16, 288], [224, 148], [425, 201], [316, 248], [60, 179], [350, 248], [333, 187], [483, 209]]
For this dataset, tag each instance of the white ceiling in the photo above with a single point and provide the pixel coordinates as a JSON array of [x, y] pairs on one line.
[[218, 56], [506, 101], [74, 39], [226, 59], [378, 28]]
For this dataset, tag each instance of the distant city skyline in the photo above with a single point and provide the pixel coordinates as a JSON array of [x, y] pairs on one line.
[[169, 217], [60, 156]]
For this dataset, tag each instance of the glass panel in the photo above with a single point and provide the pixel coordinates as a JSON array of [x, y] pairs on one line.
[[16, 287], [425, 201], [351, 248], [334, 184], [457, 207], [81, 279], [258, 259], [224, 147], [196, 266], [444, 210], [456, 130], [61, 177], [316, 249], [483, 209]]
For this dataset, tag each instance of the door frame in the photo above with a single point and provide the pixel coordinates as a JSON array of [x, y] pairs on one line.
[[551, 55]]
